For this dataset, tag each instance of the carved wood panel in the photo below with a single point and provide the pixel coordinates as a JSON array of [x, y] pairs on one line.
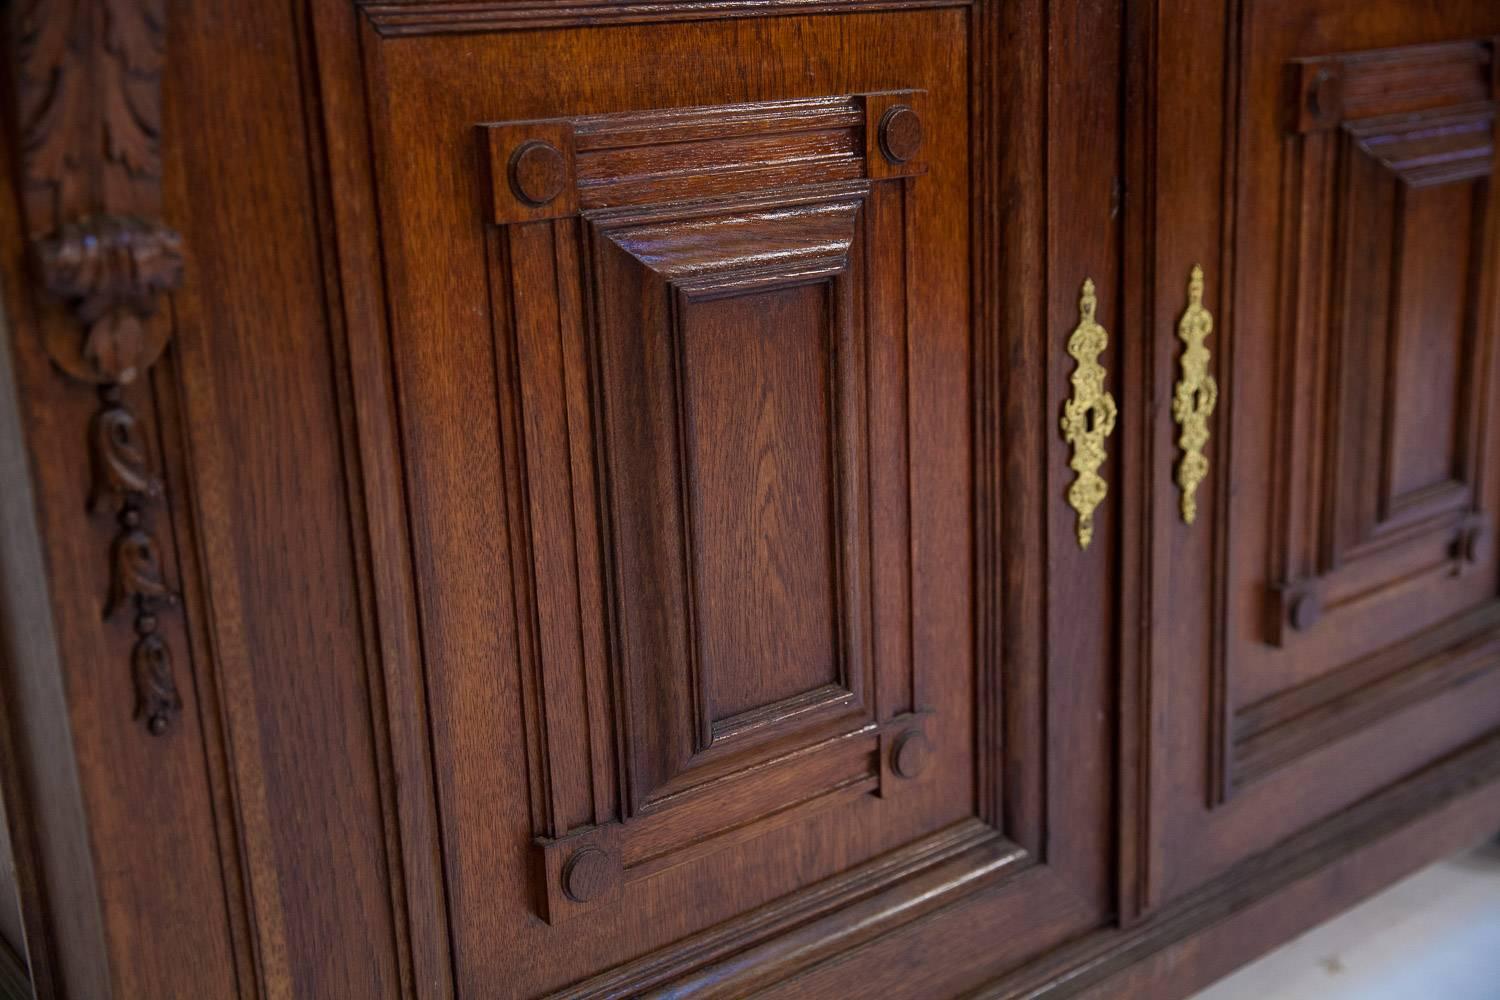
[[684, 402], [1338, 592], [1381, 361], [694, 423], [1382, 383], [86, 121], [660, 579]]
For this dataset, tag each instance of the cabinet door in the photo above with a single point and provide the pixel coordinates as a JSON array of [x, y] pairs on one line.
[[680, 443], [1328, 622]]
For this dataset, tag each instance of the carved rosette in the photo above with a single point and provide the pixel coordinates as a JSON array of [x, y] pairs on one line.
[[87, 120]]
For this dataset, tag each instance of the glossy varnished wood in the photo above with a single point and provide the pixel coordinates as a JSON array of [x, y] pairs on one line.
[[609, 458], [1326, 625], [907, 241]]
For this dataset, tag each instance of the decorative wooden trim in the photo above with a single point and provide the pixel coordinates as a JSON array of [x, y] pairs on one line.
[[826, 183], [787, 935], [1419, 116], [1327, 91], [88, 121], [88, 76], [376, 494], [1278, 730], [402, 18], [109, 270], [138, 580], [1458, 781]]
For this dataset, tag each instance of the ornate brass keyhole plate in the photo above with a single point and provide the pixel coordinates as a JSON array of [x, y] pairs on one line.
[[1089, 416], [1197, 393]]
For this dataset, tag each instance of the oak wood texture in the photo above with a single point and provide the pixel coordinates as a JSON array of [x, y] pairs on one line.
[[1332, 607], [785, 252], [608, 456], [86, 108]]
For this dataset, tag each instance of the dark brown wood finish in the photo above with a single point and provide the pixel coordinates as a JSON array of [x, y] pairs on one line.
[[756, 680], [555, 498], [1333, 606]]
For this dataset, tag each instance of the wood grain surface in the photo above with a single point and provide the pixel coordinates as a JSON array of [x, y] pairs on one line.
[[606, 511]]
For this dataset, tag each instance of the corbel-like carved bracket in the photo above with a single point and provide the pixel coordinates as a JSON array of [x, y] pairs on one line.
[[87, 119], [110, 271]]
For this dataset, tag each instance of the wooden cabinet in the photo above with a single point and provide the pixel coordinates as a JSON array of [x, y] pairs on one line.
[[681, 345], [1328, 618], [911, 499]]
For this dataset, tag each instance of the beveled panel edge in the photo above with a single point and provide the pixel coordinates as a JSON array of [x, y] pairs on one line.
[[1467, 131], [1469, 779], [986, 859], [729, 276], [927, 874], [396, 19], [599, 164], [1290, 724], [1335, 104]]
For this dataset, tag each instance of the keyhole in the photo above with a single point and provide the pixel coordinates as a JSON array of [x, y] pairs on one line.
[[1088, 420]]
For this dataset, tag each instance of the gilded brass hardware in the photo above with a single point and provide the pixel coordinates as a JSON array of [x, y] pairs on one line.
[[1089, 417], [1197, 392]]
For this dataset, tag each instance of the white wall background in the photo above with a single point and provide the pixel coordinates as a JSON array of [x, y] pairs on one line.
[[1435, 936]]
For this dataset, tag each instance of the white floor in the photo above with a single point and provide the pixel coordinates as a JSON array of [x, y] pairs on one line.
[[1435, 936]]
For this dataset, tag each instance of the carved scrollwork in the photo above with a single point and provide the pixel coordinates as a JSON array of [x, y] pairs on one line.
[[123, 479], [137, 576], [88, 93], [157, 702], [121, 465], [87, 124]]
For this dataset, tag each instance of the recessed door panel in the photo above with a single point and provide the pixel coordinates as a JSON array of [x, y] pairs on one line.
[[726, 336], [1353, 493], [684, 387]]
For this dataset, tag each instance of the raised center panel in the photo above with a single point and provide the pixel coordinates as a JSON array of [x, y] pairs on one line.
[[732, 349], [763, 513], [1384, 376], [1336, 613], [705, 558]]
